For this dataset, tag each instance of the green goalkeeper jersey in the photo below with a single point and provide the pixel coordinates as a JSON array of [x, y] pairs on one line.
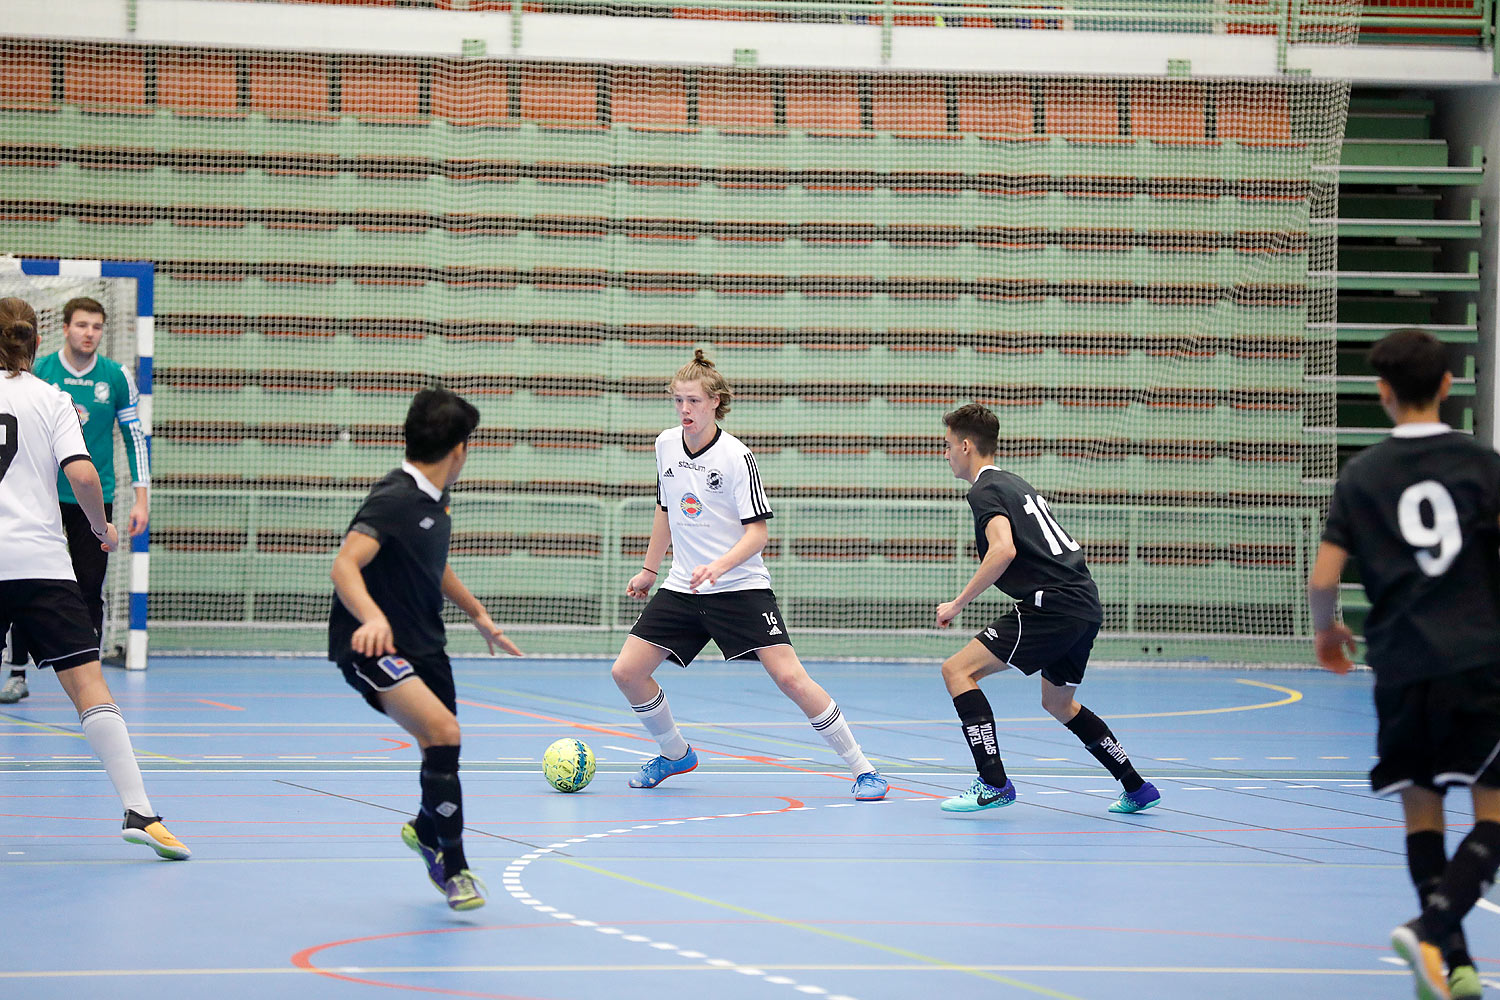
[[104, 394]]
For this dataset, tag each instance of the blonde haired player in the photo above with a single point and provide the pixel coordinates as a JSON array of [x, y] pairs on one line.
[[712, 510]]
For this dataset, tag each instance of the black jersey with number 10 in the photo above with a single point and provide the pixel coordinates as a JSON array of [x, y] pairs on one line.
[[1418, 514], [1048, 573]]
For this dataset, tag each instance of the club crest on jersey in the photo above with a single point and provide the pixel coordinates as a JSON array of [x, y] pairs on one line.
[[691, 505], [83, 413], [101, 392], [716, 481]]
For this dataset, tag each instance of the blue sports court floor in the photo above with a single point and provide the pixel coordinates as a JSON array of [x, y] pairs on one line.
[[1268, 870]]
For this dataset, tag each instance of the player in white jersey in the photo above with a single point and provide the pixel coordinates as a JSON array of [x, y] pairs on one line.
[[712, 510], [40, 434]]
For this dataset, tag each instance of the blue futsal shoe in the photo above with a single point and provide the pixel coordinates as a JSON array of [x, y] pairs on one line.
[[980, 796], [659, 769], [1133, 802], [870, 787], [431, 856]]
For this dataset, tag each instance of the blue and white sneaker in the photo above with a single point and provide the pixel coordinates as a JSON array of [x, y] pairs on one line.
[[979, 797], [1133, 802], [870, 787], [659, 769]]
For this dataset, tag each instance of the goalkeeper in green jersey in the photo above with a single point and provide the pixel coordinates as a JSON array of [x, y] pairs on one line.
[[104, 395]]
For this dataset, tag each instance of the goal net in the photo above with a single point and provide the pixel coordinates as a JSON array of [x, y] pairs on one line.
[[1136, 274]]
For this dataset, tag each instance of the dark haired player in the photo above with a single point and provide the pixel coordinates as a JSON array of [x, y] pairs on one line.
[[1049, 630], [1420, 515], [386, 628]]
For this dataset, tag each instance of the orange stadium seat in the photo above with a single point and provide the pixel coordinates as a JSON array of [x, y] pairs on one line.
[[199, 83], [1170, 113], [561, 96], [737, 101], [473, 93], [997, 109], [288, 86], [824, 104], [26, 77], [912, 107], [1255, 115], [378, 89], [106, 79], [650, 100], [1084, 112]]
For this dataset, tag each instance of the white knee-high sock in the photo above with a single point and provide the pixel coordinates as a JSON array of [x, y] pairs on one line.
[[831, 725], [656, 716], [104, 728]]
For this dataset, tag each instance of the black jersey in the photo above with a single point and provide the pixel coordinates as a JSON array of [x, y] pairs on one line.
[[406, 576], [1048, 573], [1418, 514]]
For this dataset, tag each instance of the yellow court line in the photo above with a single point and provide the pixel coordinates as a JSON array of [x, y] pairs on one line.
[[48, 727], [770, 966], [928, 960]]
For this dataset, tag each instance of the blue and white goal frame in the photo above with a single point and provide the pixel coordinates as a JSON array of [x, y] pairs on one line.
[[144, 273]]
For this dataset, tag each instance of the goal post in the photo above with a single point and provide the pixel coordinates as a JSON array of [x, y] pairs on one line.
[[126, 289]]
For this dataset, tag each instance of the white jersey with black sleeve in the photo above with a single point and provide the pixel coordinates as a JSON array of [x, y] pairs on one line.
[[709, 497], [39, 434]]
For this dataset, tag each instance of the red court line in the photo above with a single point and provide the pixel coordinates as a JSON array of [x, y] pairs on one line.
[[400, 745], [303, 960], [646, 739], [220, 704]]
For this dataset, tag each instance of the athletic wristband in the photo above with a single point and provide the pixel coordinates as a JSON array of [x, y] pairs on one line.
[[648, 569]]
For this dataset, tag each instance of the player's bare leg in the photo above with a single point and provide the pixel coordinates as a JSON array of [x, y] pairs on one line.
[[791, 677], [437, 831], [962, 672], [632, 672], [104, 728]]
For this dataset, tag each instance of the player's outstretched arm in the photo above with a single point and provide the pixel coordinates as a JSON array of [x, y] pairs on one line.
[[996, 561], [1333, 642], [656, 550], [374, 636], [455, 591], [84, 479], [752, 541]]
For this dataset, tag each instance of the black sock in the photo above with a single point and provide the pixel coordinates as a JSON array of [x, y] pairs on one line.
[[18, 673], [443, 801], [1425, 860], [1094, 733], [978, 720], [1467, 875]]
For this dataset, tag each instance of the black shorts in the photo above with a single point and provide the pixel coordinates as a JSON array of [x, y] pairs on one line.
[[370, 675], [739, 622], [1056, 646], [53, 616], [1439, 732]]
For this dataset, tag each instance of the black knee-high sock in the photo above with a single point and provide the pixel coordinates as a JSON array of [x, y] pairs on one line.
[[978, 720], [1468, 873], [1096, 738], [443, 801], [1425, 860]]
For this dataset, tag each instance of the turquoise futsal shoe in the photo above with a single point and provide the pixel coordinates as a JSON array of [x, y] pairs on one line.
[[431, 856], [870, 787], [1133, 802], [980, 797], [659, 769]]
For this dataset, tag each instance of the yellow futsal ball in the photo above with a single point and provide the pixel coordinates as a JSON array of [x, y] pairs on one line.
[[568, 765]]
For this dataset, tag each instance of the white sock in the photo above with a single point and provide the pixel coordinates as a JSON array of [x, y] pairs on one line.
[[831, 726], [656, 716], [104, 728]]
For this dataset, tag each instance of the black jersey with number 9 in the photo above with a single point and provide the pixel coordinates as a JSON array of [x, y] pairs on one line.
[[1418, 513], [1048, 573]]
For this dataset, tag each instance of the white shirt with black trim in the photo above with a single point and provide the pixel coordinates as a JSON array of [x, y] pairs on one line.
[[39, 433], [709, 497]]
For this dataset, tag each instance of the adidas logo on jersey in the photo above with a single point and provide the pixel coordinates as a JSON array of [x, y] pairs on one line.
[[668, 474], [775, 630], [426, 523]]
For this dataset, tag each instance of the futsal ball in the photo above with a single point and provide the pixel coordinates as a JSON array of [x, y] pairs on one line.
[[568, 765]]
